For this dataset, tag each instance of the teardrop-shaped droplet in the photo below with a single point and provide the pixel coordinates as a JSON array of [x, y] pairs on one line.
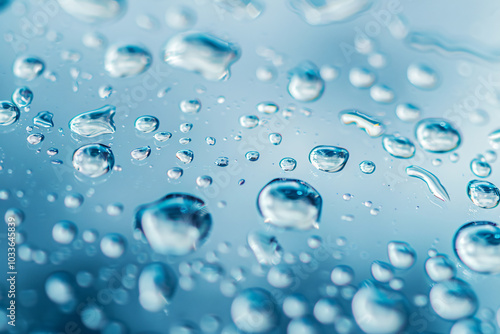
[[93, 160], [437, 135], [398, 146], [330, 159], [176, 224], [157, 284], [163, 136], [126, 61], [290, 203], [94, 123], [201, 53], [483, 194], [35, 138], [141, 153], [9, 113], [305, 83]]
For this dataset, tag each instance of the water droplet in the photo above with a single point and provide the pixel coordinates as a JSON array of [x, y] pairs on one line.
[[28, 68], [91, 11], [275, 138], [94, 123], [371, 126], [422, 76], [401, 255], [249, 121], [157, 284], [252, 155], [367, 167], [64, 232], [327, 311], [22, 97], [379, 310], [288, 164], [254, 310], [9, 113], [176, 224], [93, 160], [342, 275], [203, 181], [141, 153], [201, 53], [267, 108], [453, 299], [407, 112], [480, 168], [290, 203], [305, 83], [105, 91], [185, 127], [210, 141], [35, 139], [398, 146], [175, 173], [222, 161], [330, 159], [382, 94], [113, 245], [266, 73], [329, 11], [265, 247], [59, 287], [328, 72], [73, 201], [382, 271], [190, 106], [483, 194], [126, 61], [163, 136], [180, 17], [14, 215], [186, 156], [437, 135], [477, 245], [435, 186], [361, 77], [44, 119]]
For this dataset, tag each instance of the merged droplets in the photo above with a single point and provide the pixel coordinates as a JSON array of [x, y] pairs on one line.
[[371, 126], [28, 68], [437, 135], [477, 245], [201, 53], [367, 167], [254, 310], [95, 122], [146, 124], [93, 160], [480, 168], [379, 310], [9, 113], [22, 97], [157, 284], [92, 11], [176, 224], [290, 203], [265, 247], [453, 299], [407, 112], [361, 77], [329, 11], [330, 159], [433, 183], [305, 82], [401, 255], [398, 146], [126, 61], [483, 194], [422, 76]]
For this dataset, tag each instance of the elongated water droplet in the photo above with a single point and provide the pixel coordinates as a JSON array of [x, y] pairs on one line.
[[439, 268], [60, 288], [407, 112], [28, 68], [190, 106], [9, 113], [398, 146], [126, 61], [435, 186], [305, 83], [163, 136], [290, 203], [330, 159], [95, 122], [372, 127], [361, 77], [141, 153], [93, 160], [176, 224], [381, 94], [249, 121], [267, 108], [437, 135], [201, 53], [483, 194], [44, 119]]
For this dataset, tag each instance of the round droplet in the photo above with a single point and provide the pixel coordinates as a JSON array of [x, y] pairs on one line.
[[437, 135], [163, 136], [140, 153], [401, 255], [9, 113], [203, 181], [381, 94], [422, 76], [35, 139], [477, 245], [22, 97], [64, 232], [330, 159], [190, 106], [439, 268], [480, 168], [398, 146], [305, 82], [126, 61], [288, 164], [265, 247], [267, 108], [407, 112], [14, 215], [367, 167], [361, 77], [113, 245], [59, 287], [210, 141], [249, 121], [157, 284], [290, 203], [483, 194], [93, 160], [382, 271], [252, 156], [175, 173], [254, 311], [280, 276], [295, 305], [342, 275], [185, 127], [453, 299], [28, 68], [186, 156], [176, 224]]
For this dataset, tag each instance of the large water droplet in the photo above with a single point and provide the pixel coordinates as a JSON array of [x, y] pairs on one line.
[[422, 76], [9, 113], [93, 11], [126, 61], [483, 194], [480, 168], [93, 160], [379, 310], [433, 183], [305, 82], [265, 247], [477, 244], [254, 311], [147, 124], [201, 53], [401, 255], [398, 146], [95, 122], [176, 224], [437, 135], [372, 127], [44, 119], [330, 159], [28, 68], [157, 284], [290, 203], [453, 299]]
